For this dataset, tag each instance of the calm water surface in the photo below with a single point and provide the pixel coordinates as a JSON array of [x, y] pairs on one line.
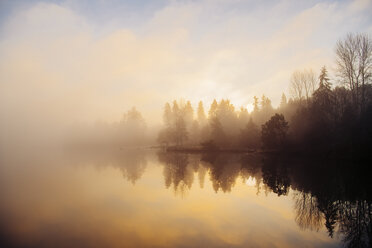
[[148, 198]]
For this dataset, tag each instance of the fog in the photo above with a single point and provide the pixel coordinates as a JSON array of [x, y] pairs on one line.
[[62, 66]]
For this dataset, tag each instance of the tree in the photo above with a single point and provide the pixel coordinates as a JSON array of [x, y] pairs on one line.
[[283, 102], [188, 114], [309, 83], [180, 131], [133, 126], [266, 104], [250, 135], [296, 86], [255, 104], [195, 132], [217, 133], [274, 131], [243, 117], [201, 114], [213, 109], [227, 116], [175, 110], [354, 66], [167, 115], [323, 97], [302, 84]]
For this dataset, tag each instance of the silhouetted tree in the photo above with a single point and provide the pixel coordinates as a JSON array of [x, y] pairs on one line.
[[302, 84], [274, 131], [323, 96], [354, 66]]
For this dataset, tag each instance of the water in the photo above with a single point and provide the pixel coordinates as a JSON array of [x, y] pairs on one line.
[[148, 198]]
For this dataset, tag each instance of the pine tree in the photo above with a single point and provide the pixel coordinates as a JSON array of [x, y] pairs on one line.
[[255, 104], [283, 102], [167, 115], [201, 113], [323, 96], [213, 110], [217, 133]]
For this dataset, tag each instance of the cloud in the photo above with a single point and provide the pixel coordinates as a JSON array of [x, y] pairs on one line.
[[59, 65]]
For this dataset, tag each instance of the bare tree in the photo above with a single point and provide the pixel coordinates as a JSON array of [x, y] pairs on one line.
[[296, 86], [309, 82], [302, 84], [354, 65]]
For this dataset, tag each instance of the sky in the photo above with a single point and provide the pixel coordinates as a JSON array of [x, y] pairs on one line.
[[66, 61]]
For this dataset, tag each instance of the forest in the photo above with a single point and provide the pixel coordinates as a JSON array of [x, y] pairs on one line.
[[321, 114]]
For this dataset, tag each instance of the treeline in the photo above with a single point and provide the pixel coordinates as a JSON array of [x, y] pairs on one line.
[[317, 116], [131, 131], [221, 125]]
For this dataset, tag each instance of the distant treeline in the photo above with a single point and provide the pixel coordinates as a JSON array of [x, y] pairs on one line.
[[317, 117], [321, 114], [131, 130]]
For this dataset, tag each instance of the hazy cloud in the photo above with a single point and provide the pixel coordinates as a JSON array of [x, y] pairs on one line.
[[60, 64]]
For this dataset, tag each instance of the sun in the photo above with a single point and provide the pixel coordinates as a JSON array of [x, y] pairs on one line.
[[250, 107]]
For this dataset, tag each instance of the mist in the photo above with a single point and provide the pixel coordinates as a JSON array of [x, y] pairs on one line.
[[173, 123], [60, 65]]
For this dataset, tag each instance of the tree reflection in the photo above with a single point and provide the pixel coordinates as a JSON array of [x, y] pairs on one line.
[[308, 215], [177, 171], [275, 176], [223, 170], [327, 194], [355, 223], [131, 162]]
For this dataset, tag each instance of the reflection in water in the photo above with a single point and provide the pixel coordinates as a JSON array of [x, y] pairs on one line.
[[223, 170], [332, 195], [308, 214], [64, 198], [275, 176], [131, 162]]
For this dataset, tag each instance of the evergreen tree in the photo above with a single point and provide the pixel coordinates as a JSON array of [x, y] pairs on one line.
[[255, 104], [217, 133], [188, 114], [180, 131], [250, 135], [283, 102], [201, 113], [243, 117], [167, 115], [213, 110], [323, 96]]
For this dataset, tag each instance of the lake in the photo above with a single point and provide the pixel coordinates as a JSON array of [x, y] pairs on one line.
[[150, 198]]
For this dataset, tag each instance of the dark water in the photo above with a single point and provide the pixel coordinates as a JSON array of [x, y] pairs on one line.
[[147, 198]]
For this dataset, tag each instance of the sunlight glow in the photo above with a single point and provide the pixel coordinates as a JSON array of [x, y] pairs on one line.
[[251, 181], [250, 107]]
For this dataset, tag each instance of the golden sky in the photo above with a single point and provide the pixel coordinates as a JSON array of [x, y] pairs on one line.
[[64, 61]]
